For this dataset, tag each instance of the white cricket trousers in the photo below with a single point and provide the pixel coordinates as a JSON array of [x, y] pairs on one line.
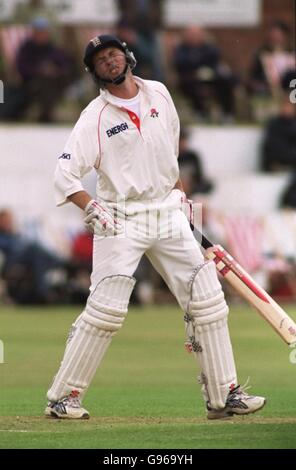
[[175, 257]]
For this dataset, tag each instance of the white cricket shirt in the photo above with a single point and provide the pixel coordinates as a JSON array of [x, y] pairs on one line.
[[135, 158]]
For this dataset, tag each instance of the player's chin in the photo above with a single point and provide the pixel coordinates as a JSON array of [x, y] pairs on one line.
[[112, 74], [107, 76]]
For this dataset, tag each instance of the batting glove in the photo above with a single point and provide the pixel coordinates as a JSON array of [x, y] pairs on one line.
[[100, 221]]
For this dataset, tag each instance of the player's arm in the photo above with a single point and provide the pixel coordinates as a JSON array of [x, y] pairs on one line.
[[78, 159], [179, 185], [80, 199]]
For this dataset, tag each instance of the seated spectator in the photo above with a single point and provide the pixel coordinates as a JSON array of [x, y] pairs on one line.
[[26, 264], [288, 199], [202, 74], [140, 22], [289, 82], [82, 247], [79, 267], [279, 145], [144, 47], [45, 71], [272, 61], [27, 11], [142, 14], [191, 171]]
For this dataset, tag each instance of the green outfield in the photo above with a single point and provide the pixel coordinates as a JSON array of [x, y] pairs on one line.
[[145, 395]]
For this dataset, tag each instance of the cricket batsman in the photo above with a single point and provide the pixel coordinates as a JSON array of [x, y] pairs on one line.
[[130, 135]]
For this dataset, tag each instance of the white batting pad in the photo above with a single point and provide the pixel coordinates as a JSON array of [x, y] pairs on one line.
[[81, 360], [91, 335], [208, 333], [107, 304]]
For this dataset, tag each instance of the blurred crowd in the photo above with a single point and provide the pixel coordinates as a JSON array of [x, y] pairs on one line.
[[31, 273], [41, 65]]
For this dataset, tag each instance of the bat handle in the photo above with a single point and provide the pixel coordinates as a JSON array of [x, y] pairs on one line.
[[205, 243]]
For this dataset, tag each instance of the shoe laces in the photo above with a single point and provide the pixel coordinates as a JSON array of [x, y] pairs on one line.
[[241, 389], [73, 400]]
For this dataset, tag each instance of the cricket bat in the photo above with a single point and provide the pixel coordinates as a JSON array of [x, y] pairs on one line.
[[245, 285]]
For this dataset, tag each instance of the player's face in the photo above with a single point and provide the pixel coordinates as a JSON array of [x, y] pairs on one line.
[[109, 63]]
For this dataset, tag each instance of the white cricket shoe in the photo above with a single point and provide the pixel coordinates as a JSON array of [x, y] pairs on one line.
[[67, 408], [238, 403]]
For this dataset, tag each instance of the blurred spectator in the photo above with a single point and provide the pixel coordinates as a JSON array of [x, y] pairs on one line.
[[288, 199], [272, 61], [26, 12], [145, 15], [279, 145], [79, 267], [288, 81], [191, 171], [26, 264], [202, 75], [147, 281], [143, 48], [82, 248], [45, 71], [140, 22]]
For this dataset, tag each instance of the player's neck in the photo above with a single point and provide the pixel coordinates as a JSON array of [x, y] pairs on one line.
[[126, 90]]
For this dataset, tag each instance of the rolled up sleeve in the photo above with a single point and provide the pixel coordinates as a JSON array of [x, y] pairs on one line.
[[78, 158]]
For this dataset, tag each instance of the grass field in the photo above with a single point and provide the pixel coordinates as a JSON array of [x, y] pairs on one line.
[[145, 394]]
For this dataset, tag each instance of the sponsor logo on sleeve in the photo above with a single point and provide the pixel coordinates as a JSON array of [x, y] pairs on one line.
[[65, 156]]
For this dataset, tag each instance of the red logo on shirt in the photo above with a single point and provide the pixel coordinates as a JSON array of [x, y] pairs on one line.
[[154, 113]]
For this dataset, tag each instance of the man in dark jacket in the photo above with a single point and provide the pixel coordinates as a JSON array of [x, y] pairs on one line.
[[279, 146], [271, 61], [201, 74], [45, 70]]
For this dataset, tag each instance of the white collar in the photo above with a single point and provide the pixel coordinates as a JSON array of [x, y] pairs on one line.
[[107, 96]]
